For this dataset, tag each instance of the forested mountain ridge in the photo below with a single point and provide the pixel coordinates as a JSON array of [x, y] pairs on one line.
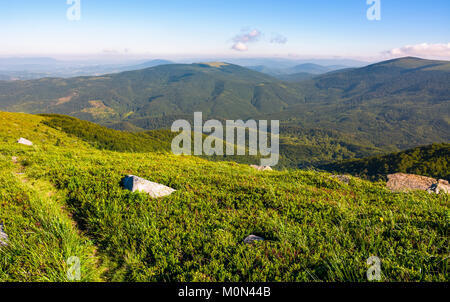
[[393, 105], [217, 89]]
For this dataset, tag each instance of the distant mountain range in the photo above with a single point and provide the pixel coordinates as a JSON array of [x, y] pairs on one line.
[[393, 105], [16, 61], [282, 63], [29, 68], [309, 68], [297, 73], [36, 68]]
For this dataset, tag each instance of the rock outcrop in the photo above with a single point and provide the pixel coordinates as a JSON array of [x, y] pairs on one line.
[[401, 182], [24, 141], [261, 168], [252, 238], [155, 190]]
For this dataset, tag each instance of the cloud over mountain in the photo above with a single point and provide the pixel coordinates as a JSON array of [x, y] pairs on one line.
[[441, 50]]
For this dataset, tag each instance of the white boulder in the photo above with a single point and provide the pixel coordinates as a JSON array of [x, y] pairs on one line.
[[155, 190], [24, 141], [3, 237]]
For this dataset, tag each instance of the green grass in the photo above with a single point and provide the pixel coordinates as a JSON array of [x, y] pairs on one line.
[[316, 228], [299, 147], [42, 235]]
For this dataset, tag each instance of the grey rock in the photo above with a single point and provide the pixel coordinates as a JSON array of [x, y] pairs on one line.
[[3, 237], [441, 187], [155, 190], [24, 141], [252, 238]]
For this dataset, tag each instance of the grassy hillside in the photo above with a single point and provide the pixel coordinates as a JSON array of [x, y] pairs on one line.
[[299, 148], [69, 202], [432, 161], [108, 139]]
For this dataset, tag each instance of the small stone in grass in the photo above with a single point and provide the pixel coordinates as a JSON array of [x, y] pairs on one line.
[[252, 238], [3, 237], [24, 141]]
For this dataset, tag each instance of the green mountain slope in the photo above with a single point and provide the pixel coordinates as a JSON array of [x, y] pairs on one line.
[[309, 68], [296, 77], [299, 148], [432, 161], [108, 139], [62, 197], [393, 105], [411, 77], [301, 69], [217, 89]]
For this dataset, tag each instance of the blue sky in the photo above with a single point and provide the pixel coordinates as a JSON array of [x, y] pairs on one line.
[[245, 28]]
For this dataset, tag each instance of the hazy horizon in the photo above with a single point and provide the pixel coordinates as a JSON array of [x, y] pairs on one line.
[[177, 30]]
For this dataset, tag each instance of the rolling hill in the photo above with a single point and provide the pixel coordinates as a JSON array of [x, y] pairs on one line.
[[393, 105], [299, 148], [217, 90], [63, 197], [396, 104], [296, 73]]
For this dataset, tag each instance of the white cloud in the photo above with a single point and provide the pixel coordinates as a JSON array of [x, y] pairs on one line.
[[239, 46], [422, 50], [110, 51], [242, 40]]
